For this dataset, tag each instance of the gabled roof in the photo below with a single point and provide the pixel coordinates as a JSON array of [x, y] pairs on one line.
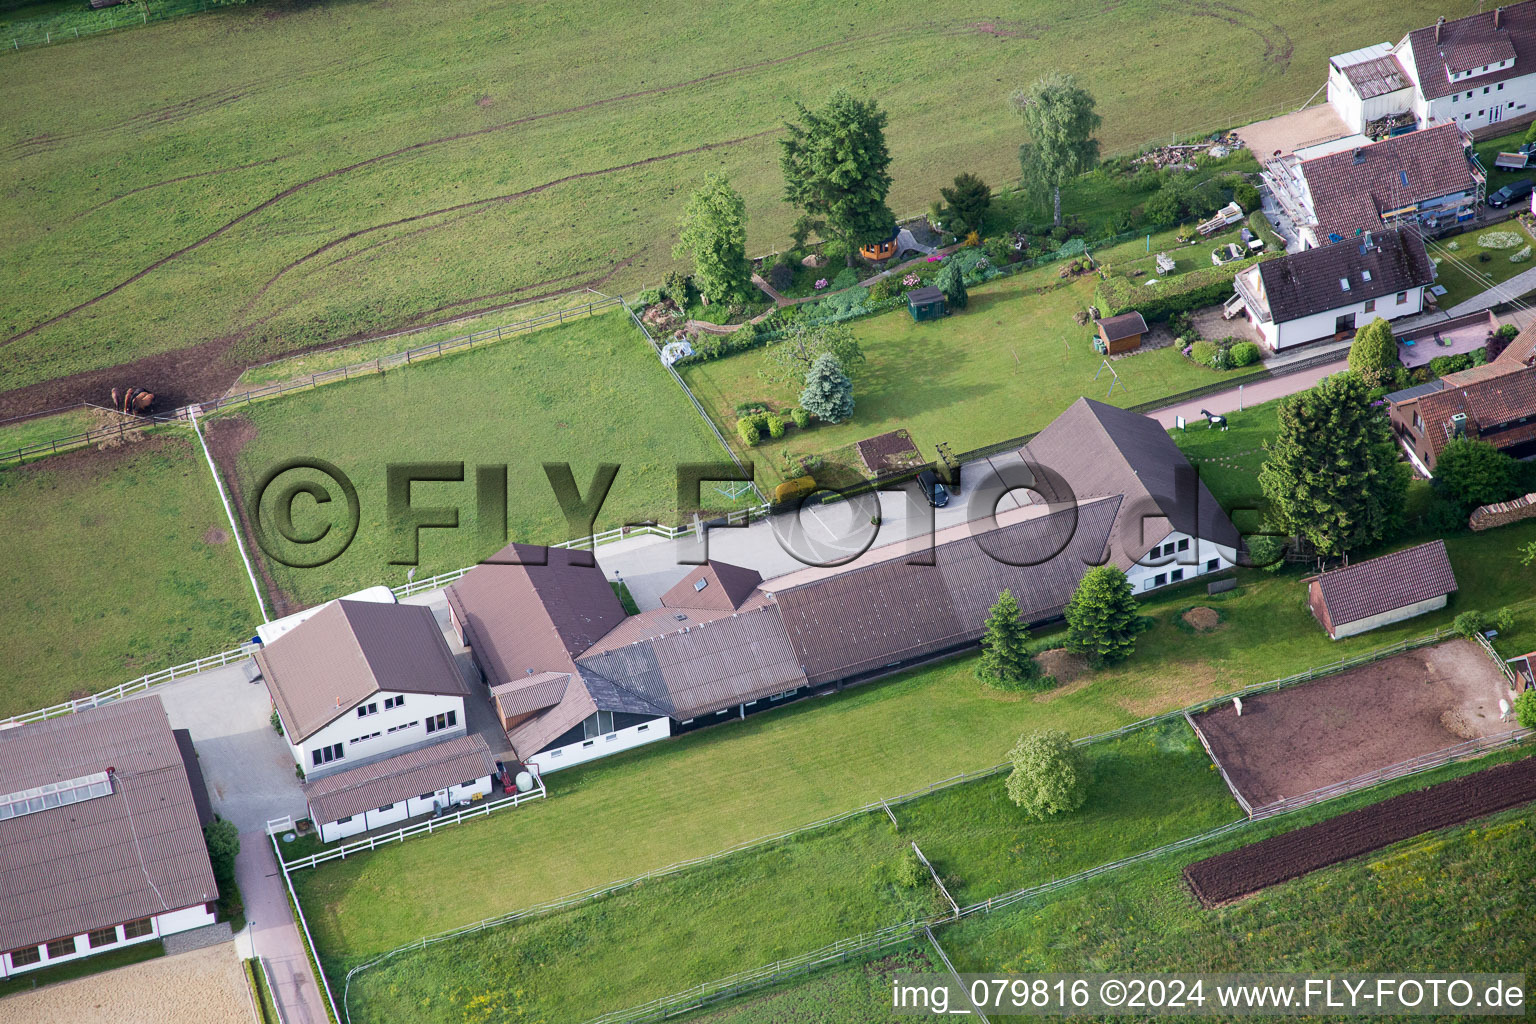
[[1521, 350], [585, 694], [1125, 325], [881, 609], [532, 693], [1352, 188], [345, 652], [709, 662], [528, 607], [1472, 42], [725, 587], [1502, 398], [1099, 450], [1383, 584], [132, 853], [382, 783], [1303, 283]]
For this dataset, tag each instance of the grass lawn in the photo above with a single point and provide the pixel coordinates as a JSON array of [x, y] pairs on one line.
[[81, 968], [1462, 270], [1149, 789], [586, 393], [303, 169], [21, 433], [118, 562], [1006, 365]]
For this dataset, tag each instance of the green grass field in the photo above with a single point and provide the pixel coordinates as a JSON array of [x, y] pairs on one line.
[[587, 393], [1149, 789], [118, 563], [1006, 365], [270, 176], [1462, 270]]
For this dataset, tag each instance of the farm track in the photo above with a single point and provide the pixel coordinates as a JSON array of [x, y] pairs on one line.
[[177, 180], [1242, 872]]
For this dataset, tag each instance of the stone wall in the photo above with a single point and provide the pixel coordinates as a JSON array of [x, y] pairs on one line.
[[1487, 517]]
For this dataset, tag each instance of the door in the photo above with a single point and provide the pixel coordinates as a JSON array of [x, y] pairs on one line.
[[1495, 113], [1344, 324]]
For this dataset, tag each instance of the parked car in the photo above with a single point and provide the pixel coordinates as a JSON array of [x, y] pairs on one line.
[[1512, 192], [936, 493]]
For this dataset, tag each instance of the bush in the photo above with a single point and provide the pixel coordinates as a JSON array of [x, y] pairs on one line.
[[1525, 704], [747, 429], [789, 490], [1499, 239], [884, 289], [1203, 352], [277, 722], [675, 287], [1442, 517], [1244, 194], [910, 873], [1204, 287], [1470, 623], [1521, 256], [836, 252], [1244, 353], [1442, 365], [648, 297], [775, 426], [1267, 552], [801, 418], [1050, 775]]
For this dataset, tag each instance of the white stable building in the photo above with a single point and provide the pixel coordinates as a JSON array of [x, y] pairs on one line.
[[422, 781]]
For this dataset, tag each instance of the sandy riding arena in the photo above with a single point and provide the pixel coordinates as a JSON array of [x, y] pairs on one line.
[[1333, 729], [205, 986]]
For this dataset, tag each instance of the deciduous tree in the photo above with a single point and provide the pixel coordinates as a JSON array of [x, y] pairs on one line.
[[1102, 619], [1474, 473], [1374, 349], [792, 356], [837, 169], [714, 234], [1332, 474], [1060, 119], [1050, 775]]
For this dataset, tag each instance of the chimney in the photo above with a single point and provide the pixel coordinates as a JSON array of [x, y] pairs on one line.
[[1497, 14], [1359, 154], [1439, 28], [1459, 424]]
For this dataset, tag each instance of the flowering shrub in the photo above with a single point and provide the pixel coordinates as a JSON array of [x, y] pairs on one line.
[[821, 283], [936, 257], [1453, 245], [982, 264], [1498, 239], [1521, 256], [911, 281]]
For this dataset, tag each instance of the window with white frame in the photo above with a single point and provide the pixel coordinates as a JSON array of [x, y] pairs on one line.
[[394, 702]]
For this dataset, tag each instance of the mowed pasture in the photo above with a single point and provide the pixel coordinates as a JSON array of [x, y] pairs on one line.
[[587, 393], [117, 562], [777, 901], [250, 181]]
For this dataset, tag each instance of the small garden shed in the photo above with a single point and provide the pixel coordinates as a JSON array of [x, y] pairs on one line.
[[876, 252], [926, 303], [1121, 333]]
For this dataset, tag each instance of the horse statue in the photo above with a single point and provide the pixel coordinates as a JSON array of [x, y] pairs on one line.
[[1213, 420], [133, 401]]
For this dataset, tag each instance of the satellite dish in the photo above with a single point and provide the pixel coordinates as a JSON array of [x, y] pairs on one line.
[[1237, 702], [523, 782]]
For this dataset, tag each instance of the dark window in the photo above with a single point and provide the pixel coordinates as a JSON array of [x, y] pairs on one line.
[[446, 720], [103, 937], [325, 755], [1485, 89], [1177, 575], [1213, 565], [1184, 544], [426, 796], [394, 702], [1402, 297], [1370, 305], [23, 957], [467, 785], [61, 947], [138, 929], [364, 710], [1160, 579], [343, 821], [386, 807], [1501, 86]]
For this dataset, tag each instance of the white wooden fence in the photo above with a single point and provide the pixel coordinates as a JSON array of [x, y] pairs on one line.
[[138, 685]]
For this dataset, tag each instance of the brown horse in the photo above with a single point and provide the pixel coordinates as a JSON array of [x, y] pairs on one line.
[[134, 401]]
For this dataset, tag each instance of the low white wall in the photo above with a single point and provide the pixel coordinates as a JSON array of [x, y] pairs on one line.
[[163, 924], [402, 810], [601, 746], [1369, 623]]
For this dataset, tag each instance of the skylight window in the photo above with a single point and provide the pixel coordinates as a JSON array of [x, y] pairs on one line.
[[700, 584], [55, 794], [1365, 275], [1403, 177], [1344, 283]]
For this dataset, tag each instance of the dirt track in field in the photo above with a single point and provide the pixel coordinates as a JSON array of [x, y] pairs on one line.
[[1230, 876], [1333, 729], [205, 986]]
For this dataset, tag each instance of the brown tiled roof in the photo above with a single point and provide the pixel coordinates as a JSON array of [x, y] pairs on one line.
[[725, 587], [1303, 283], [1349, 193], [1522, 348], [888, 452], [531, 693], [1377, 77], [1125, 325], [1487, 402], [711, 661], [135, 852], [533, 616], [587, 692], [881, 610], [1472, 42], [323, 667], [1392, 581], [382, 783], [1099, 450]]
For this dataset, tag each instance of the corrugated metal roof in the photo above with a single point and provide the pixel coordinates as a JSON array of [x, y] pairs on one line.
[[323, 667], [1383, 584], [533, 693], [72, 869], [383, 783]]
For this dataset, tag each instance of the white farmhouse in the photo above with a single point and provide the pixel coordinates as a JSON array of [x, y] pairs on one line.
[[358, 682], [1331, 291]]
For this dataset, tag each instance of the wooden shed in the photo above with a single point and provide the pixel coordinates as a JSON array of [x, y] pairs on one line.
[[926, 303], [1381, 591], [1121, 333], [877, 251]]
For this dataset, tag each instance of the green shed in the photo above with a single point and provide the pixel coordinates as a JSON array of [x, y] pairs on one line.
[[926, 303]]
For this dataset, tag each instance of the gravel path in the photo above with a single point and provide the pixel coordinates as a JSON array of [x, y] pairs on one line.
[[206, 986]]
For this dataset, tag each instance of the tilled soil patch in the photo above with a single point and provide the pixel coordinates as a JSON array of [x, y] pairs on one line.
[[1242, 872]]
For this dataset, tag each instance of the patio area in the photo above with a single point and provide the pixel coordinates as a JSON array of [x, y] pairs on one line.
[[1454, 337]]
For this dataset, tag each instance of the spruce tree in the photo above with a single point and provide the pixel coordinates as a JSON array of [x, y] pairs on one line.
[[1332, 475], [951, 282], [1102, 619], [828, 393], [838, 170], [1005, 657]]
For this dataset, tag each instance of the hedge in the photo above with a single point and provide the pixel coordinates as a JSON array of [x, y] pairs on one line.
[[1198, 288]]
